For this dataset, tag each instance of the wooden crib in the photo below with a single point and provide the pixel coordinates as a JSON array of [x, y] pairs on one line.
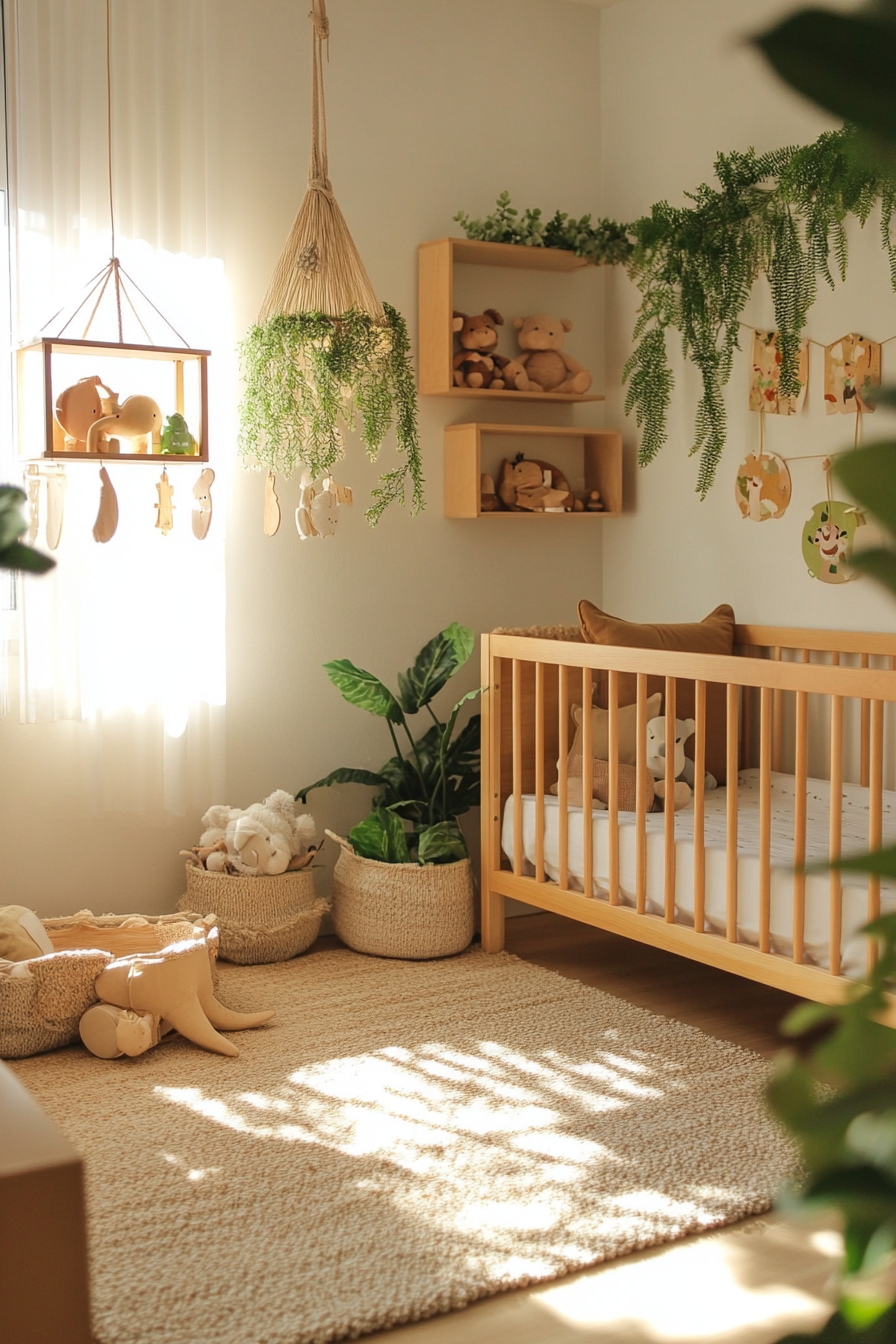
[[791, 697]]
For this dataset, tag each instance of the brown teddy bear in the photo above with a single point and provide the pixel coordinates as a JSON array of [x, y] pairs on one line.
[[548, 367], [476, 364]]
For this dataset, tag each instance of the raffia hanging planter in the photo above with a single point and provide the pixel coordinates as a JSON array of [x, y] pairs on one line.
[[325, 353]]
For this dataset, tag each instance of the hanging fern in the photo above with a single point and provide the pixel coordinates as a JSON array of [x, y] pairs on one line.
[[781, 214], [309, 378]]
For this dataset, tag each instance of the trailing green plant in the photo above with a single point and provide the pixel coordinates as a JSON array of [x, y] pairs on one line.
[[781, 214], [426, 787], [309, 378], [14, 553], [605, 241]]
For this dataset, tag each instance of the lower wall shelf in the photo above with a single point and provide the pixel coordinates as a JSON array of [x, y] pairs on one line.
[[602, 454]]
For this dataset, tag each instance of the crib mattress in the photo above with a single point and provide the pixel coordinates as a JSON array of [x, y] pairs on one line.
[[855, 839]]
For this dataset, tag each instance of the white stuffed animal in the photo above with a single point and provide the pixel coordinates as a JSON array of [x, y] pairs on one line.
[[260, 840], [656, 757]]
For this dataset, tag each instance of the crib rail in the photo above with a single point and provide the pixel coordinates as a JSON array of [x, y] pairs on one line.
[[773, 693]]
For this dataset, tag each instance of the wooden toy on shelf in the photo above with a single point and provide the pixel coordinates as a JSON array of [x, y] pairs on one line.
[[533, 485], [488, 499], [138, 418], [177, 441], [594, 503], [77, 408]]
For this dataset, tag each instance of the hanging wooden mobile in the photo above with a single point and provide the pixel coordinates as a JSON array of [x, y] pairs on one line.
[[106, 524], [165, 508], [765, 375], [74, 416], [762, 486], [33, 505], [56, 488], [851, 371], [271, 505], [829, 536], [202, 509]]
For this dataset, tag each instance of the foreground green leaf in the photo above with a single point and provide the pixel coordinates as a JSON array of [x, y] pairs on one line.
[[442, 843], [23, 558], [343, 775], [869, 475], [839, 1331]]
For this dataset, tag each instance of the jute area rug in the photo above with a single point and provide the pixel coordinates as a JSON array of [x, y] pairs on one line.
[[402, 1139]]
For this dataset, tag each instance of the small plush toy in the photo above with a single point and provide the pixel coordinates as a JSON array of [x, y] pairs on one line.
[[264, 839], [683, 766], [547, 365], [22, 936], [176, 438], [476, 364], [528, 484]]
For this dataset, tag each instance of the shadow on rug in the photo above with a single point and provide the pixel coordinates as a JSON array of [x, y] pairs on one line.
[[402, 1139]]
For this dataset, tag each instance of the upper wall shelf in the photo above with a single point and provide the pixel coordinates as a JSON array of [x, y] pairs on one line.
[[436, 261]]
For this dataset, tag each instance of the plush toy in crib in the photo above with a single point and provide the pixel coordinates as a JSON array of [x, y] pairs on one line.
[[683, 765], [264, 839]]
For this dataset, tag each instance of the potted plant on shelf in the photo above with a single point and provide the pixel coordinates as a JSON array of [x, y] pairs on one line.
[[403, 884]]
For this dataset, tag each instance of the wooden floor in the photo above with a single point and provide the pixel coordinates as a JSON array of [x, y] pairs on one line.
[[749, 1284]]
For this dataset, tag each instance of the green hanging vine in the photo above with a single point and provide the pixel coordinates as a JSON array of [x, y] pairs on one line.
[[781, 214], [307, 376]]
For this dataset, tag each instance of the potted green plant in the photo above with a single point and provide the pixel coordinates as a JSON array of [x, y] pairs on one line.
[[403, 884]]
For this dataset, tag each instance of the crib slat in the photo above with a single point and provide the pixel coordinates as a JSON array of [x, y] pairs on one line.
[[539, 772], [766, 749], [865, 734], [669, 805], [613, 782], [731, 826], [746, 725], [777, 718], [801, 773], [641, 797], [517, 720], [587, 783], [699, 802], [875, 813], [563, 777], [834, 841]]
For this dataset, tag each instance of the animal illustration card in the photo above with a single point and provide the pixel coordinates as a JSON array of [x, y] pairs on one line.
[[765, 374], [851, 371]]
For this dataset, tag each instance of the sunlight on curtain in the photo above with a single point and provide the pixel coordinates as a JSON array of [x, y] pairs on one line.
[[127, 637]]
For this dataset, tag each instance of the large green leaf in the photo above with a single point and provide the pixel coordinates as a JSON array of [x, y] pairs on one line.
[[363, 689], [436, 662], [381, 836], [14, 554], [882, 862], [442, 843], [869, 475], [344, 775], [839, 1331], [21, 557], [879, 563], [843, 62]]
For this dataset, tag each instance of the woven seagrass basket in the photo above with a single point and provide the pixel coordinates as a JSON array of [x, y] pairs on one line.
[[260, 919], [410, 910], [41, 1010]]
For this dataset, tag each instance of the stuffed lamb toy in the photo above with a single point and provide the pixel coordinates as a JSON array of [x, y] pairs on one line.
[[683, 765], [261, 840]]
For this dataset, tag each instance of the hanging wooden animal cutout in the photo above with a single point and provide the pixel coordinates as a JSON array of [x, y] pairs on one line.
[[33, 505], [107, 517], [56, 487], [202, 509], [271, 505], [828, 539], [762, 487], [304, 523], [325, 510], [765, 374], [851, 371], [165, 508]]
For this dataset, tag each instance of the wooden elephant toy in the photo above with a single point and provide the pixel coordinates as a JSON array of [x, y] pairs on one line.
[[77, 407], [137, 418]]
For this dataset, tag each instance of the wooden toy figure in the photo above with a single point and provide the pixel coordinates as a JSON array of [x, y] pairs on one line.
[[165, 508], [176, 437], [107, 517]]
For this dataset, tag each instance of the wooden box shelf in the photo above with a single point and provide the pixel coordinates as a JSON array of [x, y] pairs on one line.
[[436, 261], [175, 376], [602, 453]]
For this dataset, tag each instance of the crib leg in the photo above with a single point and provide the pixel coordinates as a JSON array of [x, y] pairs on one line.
[[492, 922]]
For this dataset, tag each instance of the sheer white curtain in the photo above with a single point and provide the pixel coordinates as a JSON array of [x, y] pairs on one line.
[[126, 637]]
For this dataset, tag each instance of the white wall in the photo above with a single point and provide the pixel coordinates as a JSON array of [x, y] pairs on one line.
[[678, 85], [428, 109]]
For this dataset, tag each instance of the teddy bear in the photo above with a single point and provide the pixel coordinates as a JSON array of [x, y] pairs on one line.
[[534, 486], [476, 364], [547, 366], [263, 839], [683, 765]]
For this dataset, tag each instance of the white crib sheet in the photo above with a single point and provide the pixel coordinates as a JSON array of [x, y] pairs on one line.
[[855, 840]]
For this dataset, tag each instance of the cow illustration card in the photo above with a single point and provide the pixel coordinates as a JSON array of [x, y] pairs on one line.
[[762, 487], [765, 373], [851, 371]]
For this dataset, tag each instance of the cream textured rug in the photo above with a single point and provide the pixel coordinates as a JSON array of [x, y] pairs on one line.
[[402, 1139]]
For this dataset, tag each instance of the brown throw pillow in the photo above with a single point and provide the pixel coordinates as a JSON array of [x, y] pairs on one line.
[[715, 634]]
